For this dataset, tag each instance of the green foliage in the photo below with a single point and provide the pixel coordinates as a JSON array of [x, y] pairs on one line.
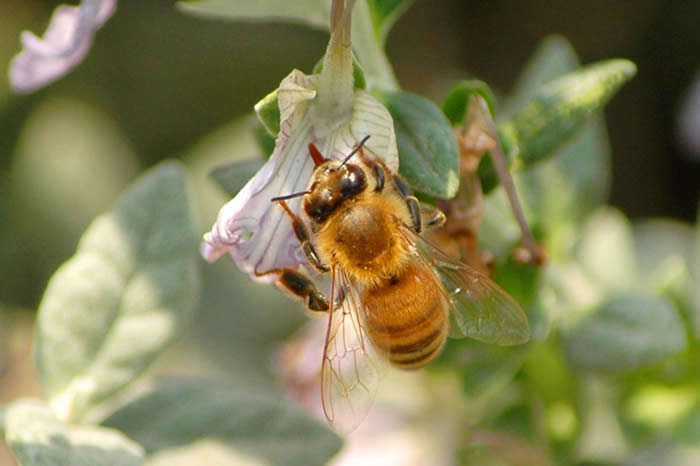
[[428, 154], [313, 13], [108, 312], [264, 428], [268, 112], [626, 332], [609, 376], [233, 176], [562, 190], [456, 102], [372, 21], [557, 113], [384, 14], [38, 438]]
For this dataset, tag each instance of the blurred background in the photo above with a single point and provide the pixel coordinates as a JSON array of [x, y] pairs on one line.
[[158, 84]]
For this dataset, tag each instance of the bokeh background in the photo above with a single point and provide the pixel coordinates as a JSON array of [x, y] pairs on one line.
[[158, 84]]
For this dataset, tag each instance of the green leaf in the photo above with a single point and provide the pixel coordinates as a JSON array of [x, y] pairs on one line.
[[456, 103], [384, 14], [601, 440], [606, 250], [428, 153], [213, 451], [664, 248], [233, 176], [371, 23], [557, 113], [268, 429], [268, 112], [626, 332], [113, 307], [38, 438], [313, 13], [562, 190]]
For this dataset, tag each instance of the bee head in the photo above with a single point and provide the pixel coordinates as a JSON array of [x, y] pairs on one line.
[[332, 184]]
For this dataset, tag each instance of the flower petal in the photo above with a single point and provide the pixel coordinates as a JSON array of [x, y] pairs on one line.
[[64, 45], [257, 232]]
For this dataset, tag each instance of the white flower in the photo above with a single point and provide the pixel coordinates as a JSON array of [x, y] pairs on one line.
[[65, 44], [321, 109]]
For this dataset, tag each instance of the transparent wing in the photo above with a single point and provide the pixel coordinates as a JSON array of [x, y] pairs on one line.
[[351, 367], [480, 309]]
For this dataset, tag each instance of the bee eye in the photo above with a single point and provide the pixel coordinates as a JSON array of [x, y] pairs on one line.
[[354, 181]]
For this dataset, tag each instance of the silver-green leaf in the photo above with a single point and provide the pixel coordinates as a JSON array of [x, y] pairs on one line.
[[558, 112], [428, 153], [626, 332], [269, 429], [112, 308], [384, 14], [233, 176], [313, 13], [38, 438], [577, 179]]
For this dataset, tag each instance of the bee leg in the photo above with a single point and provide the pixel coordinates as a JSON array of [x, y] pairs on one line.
[[411, 201], [431, 216], [301, 286], [302, 235], [378, 169]]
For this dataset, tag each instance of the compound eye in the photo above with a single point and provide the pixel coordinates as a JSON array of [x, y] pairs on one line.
[[354, 181]]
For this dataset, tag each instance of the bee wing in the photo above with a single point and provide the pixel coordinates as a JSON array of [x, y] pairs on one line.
[[480, 309], [351, 367]]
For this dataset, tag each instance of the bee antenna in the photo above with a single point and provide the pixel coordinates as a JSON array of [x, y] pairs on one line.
[[355, 150], [289, 196]]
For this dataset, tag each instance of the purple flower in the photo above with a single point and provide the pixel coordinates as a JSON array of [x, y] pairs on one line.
[[64, 45], [257, 232], [322, 109]]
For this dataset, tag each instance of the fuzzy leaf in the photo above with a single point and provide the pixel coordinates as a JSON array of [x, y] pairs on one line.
[[456, 103], [268, 112], [428, 153], [233, 176], [384, 14], [606, 250], [559, 192], [626, 332], [557, 113], [313, 13], [184, 411], [38, 438], [115, 305], [371, 23]]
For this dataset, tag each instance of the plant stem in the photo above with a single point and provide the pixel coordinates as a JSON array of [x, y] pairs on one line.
[[376, 65]]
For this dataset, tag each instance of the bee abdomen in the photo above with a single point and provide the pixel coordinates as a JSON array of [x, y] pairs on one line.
[[406, 317], [415, 342], [414, 348], [405, 354]]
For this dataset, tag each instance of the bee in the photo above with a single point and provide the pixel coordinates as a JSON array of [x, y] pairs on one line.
[[393, 296]]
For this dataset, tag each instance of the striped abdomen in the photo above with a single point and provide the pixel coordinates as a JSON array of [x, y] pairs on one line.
[[406, 317]]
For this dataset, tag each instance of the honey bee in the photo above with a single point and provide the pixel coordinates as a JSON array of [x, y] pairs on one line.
[[393, 296]]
